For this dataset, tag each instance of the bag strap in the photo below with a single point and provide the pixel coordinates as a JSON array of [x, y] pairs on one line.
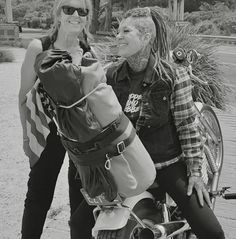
[[46, 42], [104, 155], [78, 101]]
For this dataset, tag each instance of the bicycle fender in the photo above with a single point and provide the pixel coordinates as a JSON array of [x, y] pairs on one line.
[[116, 218]]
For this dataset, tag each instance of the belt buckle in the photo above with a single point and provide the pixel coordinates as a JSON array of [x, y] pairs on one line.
[[121, 147]]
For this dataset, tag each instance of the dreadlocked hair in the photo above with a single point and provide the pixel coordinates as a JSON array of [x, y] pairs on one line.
[[160, 48], [159, 40]]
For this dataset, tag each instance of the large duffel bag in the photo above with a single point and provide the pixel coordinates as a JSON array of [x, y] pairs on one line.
[[116, 163]]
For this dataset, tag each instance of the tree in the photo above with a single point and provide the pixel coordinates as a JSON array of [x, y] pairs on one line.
[[108, 12], [95, 23], [20, 11], [128, 4], [191, 5]]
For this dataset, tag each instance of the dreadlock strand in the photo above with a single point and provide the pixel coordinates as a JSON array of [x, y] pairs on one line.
[[161, 41]]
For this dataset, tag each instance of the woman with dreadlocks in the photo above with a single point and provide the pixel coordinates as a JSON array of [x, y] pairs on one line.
[[156, 97]]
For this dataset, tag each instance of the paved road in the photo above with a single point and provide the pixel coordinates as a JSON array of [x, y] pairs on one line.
[[227, 56], [226, 210]]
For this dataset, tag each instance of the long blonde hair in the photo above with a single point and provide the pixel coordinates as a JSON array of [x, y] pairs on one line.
[[56, 23]]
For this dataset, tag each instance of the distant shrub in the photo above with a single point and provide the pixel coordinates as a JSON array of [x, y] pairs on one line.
[[6, 56], [35, 22], [218, 19], [208, 28]]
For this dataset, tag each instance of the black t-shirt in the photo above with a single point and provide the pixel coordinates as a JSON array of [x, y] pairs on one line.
[[132, 107]]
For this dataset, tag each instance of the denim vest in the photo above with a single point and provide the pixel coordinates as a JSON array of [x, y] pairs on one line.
[[155, 125]]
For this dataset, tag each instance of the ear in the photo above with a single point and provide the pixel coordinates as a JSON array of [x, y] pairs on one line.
[[147, 38]]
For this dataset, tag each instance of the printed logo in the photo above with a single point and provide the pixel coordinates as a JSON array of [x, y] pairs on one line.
[[133, 103]]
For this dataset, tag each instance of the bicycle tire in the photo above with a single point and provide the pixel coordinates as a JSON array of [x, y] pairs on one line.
[[217, 151], [145, 210]]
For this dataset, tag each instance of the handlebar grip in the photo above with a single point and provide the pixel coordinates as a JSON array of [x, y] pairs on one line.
[[230, 196]]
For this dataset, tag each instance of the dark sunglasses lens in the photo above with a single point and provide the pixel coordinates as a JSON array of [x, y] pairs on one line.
[[68, 10], [82, 12]]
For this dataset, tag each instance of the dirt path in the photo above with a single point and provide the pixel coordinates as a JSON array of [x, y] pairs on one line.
[[14, 166]]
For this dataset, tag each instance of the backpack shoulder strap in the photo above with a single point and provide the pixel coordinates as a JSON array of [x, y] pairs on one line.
[[46, 42]]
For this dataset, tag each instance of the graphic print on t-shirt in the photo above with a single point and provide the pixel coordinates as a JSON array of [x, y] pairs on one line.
[[133, 103]]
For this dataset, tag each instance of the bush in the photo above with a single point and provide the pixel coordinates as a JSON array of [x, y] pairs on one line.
[[6, 56], [208, 28], [35, 22], [207, 68]]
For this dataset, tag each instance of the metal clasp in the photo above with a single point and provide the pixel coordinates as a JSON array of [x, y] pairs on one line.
[[120, 147], [107, 163]]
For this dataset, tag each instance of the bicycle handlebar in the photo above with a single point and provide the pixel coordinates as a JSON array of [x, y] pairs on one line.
[[221, 193], [229, 196]]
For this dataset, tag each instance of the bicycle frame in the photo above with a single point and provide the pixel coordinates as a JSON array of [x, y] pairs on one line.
[[206, 125]]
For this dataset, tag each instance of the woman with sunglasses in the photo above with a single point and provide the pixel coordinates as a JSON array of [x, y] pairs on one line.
[[40, 140], [156, 96]]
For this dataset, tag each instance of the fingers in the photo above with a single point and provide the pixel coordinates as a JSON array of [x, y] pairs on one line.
[[190, 187], [200, 197], [202, 193], [192, 184], [207, 197]]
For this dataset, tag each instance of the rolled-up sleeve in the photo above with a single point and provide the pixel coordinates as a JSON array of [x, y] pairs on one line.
[[184, 113]]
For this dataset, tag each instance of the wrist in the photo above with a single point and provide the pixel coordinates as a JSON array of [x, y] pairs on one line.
[[196, 173]]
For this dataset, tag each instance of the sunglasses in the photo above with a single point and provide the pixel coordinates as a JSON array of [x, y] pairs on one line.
[[70, 11]]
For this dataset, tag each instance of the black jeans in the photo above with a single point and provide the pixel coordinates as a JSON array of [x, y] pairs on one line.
[[202, 220], [41, 186]]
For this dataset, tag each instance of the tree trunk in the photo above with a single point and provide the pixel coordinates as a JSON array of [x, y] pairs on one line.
[[125, 4], [108, 10], [132, 3], [8, 11], [95, 23]]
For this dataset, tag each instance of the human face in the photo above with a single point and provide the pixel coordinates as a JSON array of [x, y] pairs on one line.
[[130, 41], [73, 21]]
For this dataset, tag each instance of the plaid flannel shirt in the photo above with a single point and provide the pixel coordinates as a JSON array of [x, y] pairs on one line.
[[184, 113]]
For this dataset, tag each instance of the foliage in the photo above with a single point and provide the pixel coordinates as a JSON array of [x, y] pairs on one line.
[[195, 5], [215, 19], [207, 68], [25, 11], [6, 56], [20, 11]]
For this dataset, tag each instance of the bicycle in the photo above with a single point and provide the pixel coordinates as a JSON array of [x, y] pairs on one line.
[[131, 218]]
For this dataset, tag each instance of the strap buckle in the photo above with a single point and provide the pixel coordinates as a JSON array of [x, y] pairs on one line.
[[121, 147]]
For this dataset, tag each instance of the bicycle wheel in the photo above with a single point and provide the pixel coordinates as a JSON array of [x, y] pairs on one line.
[[213, 151]]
